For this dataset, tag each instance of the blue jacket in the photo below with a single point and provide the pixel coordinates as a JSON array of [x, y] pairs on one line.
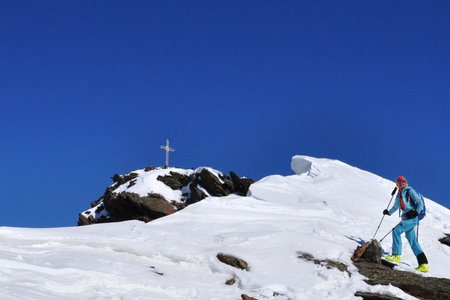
[[415, 203]]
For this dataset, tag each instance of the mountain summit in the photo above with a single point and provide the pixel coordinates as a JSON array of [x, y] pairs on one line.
[[152, 193], [289, 237]]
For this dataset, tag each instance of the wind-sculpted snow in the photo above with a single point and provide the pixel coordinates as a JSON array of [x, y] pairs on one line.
[[175, 257]]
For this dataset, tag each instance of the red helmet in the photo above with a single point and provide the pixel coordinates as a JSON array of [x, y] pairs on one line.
[[401, 179]]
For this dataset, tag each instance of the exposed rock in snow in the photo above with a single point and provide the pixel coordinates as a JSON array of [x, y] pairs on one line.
[[445, 240], [327, 263], [247, 297], [411, 283], [375, 296], [233, 261], [152, 193], [129, 206], [369, 251]]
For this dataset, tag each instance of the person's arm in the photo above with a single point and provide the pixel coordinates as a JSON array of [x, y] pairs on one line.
[[396, 205]]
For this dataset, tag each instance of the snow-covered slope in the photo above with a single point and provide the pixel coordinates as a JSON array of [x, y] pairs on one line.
[[325, 209]]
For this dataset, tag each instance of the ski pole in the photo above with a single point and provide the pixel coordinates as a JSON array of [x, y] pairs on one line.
[[390, 231], [417, 236], [392, 194]]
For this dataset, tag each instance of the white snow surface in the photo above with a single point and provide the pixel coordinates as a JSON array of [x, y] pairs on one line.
[[324, 210]]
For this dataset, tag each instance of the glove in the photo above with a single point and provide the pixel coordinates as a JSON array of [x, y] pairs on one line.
[[385, 212], [411, 214]]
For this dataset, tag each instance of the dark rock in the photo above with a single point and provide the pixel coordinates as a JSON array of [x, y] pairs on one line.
[[211, 184], [445, 240], [144, 219], [233, 261], [119, 179], [196, 194], [373, 252], [100, 208], [359, 251], [130, 176], [170, 182], [327, 263], [308, 257], [246, 297], [369, 251], [411, 283], [155, 271], [230, 281], [83, 220], [241, 185], [148, 169], [116, 178], [87, 219], [276, 294], [175, 180], [129, 206], [228, 183], [96, 202], [372, 296], [178, 205]]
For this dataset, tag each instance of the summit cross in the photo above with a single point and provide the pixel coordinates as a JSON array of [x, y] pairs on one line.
[[167, 149]]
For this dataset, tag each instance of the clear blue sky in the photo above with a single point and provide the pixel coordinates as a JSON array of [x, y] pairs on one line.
[[93, 88]]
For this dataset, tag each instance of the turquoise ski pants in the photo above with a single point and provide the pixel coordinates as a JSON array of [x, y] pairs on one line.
[[407, 227]]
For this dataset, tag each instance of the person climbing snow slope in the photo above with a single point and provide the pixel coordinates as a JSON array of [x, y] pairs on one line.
[[410, 204]]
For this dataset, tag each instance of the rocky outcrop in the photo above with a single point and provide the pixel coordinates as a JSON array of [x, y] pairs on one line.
[[411, 283], [327, 263], [213, 184], [240, 185], [129, 206], [193, 186], [175, 180], [369, 251], [119, 179], [233, 261], [247, 297], [445, 240], [367, 258], [196, 194], [89, 216], [373, 296]]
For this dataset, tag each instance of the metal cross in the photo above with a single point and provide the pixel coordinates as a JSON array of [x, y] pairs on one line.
[[168, 149]]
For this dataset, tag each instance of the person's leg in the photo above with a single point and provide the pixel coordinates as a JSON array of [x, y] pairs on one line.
[[397, 239], [422, 259], [410, 234]]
